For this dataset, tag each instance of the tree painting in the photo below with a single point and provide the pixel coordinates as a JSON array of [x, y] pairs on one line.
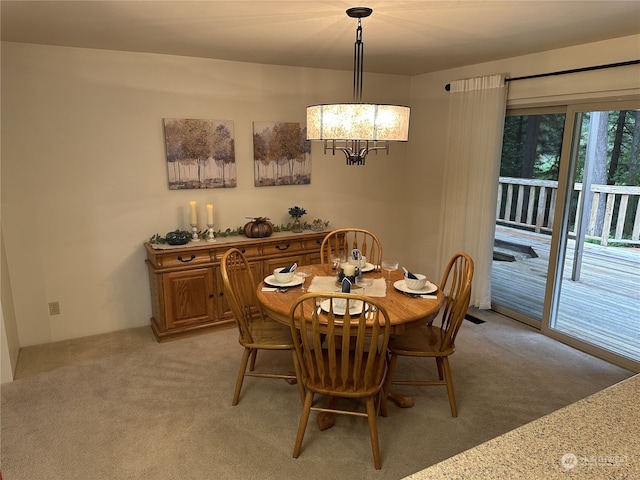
[[200, 153], [281, 154]]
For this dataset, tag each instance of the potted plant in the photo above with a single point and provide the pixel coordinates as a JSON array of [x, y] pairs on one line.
[[296, 213]]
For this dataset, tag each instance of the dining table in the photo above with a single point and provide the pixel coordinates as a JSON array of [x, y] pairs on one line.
[[405, 309]]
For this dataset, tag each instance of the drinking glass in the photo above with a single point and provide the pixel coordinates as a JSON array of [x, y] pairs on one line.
[[303, 272], [363, 283], [389, 266], [337, 259]]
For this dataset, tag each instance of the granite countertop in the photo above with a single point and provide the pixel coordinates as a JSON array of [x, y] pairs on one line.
[[595, 438]]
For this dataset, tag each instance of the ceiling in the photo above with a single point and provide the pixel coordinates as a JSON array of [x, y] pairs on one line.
[[406, 38]]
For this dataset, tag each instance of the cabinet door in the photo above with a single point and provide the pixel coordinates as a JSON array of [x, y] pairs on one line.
[[189, 297], [312, 259], [224, 310]]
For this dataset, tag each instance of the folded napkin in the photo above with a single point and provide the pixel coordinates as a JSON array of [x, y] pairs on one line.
[[346, 285], [428, 296], [290, 268], [269, 289], [408, 274]]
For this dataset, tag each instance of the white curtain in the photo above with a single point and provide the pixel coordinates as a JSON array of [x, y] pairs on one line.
[[472, 167]]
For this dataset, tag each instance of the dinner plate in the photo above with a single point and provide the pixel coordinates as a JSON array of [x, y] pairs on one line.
[[428, 288], [355, 307], [367, 267], [271, 280]]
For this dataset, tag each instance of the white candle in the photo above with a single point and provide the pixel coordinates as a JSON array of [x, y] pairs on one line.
[[209, 214], [194, 213], [349, 270]]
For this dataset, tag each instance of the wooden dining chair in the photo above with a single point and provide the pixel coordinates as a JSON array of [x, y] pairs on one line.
[[341, 356], [344, 240], [257, 331], [437, 341]]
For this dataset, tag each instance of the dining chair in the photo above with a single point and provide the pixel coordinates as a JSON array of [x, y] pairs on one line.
[[257, 331], [435, 341], [344, 240], [342, 354]]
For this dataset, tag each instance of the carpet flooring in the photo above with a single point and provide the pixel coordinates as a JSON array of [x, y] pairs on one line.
[[122, 406]]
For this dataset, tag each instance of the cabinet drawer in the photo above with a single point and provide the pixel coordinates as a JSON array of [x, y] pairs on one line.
[[286, 246], [183, 259], [312, 245], [249, 251]]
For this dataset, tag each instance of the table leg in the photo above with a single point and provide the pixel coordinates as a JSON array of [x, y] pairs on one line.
[[327, 419], [291, 381], [402, 401]]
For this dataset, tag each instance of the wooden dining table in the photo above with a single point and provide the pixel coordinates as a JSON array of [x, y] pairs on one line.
[[405, 311]]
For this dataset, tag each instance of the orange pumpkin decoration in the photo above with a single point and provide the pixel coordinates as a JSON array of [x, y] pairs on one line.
[[258, 227]]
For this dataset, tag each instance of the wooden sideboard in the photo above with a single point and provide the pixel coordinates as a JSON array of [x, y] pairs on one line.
[[187, 293]]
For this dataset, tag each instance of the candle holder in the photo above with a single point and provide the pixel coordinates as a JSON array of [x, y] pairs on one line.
[[194, 235], [210, 236]]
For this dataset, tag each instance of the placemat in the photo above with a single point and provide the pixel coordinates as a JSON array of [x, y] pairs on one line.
[[328, 284]]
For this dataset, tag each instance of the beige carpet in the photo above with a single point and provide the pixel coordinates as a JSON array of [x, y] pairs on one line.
[[121, 406]]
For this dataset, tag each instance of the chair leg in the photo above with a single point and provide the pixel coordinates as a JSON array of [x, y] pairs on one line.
[[302, 426], [449, 380], [387, 384], [254, 354], [439, 365], [243, 368], [296, 366], [373, 432]]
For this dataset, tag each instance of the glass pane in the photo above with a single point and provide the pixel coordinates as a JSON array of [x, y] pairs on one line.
[[525, 212], [599, 301]]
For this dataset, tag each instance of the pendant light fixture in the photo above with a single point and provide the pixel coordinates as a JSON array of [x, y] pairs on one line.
[[357, 128]]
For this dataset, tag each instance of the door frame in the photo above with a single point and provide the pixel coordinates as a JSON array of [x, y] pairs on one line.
[[559, 239], [574, 112]]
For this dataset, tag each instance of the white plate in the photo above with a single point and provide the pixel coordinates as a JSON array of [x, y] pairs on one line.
[[368, 267], [271, 280], [428, 288], [355, 307]]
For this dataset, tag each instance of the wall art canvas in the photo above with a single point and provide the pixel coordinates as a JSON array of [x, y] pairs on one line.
[[281, 154], [200, 153]]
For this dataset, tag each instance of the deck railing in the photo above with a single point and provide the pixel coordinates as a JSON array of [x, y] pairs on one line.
[[530, 204]]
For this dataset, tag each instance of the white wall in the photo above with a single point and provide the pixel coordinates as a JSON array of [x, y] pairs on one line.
[[429, 116], [84, 179]]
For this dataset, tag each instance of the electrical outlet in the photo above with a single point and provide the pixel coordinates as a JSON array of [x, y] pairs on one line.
[[54, 308]]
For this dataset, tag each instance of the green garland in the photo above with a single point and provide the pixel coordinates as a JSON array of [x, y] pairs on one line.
[[231, 232]]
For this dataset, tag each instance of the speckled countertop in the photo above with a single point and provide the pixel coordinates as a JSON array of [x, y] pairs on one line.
[[595, 438]]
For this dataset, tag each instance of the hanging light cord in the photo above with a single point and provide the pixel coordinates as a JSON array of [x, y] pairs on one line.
[[358, 59]]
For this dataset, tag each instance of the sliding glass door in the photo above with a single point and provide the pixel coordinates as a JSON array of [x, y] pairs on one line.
[[527, 193], [595, 288], [567, 249]]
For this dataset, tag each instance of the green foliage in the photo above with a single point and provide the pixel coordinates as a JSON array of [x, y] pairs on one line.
[[531, 146], [297, 212]]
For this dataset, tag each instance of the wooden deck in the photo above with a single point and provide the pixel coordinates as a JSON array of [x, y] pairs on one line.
[[603, 308]]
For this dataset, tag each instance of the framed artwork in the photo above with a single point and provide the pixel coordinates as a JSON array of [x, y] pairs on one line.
[[200, 153], [281, 154]]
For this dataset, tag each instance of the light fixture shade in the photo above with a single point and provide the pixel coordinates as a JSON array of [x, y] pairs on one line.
[[358, 121]]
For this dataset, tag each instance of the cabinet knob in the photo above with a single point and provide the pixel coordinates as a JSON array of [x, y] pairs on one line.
[[278, 247], [186, 261]]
